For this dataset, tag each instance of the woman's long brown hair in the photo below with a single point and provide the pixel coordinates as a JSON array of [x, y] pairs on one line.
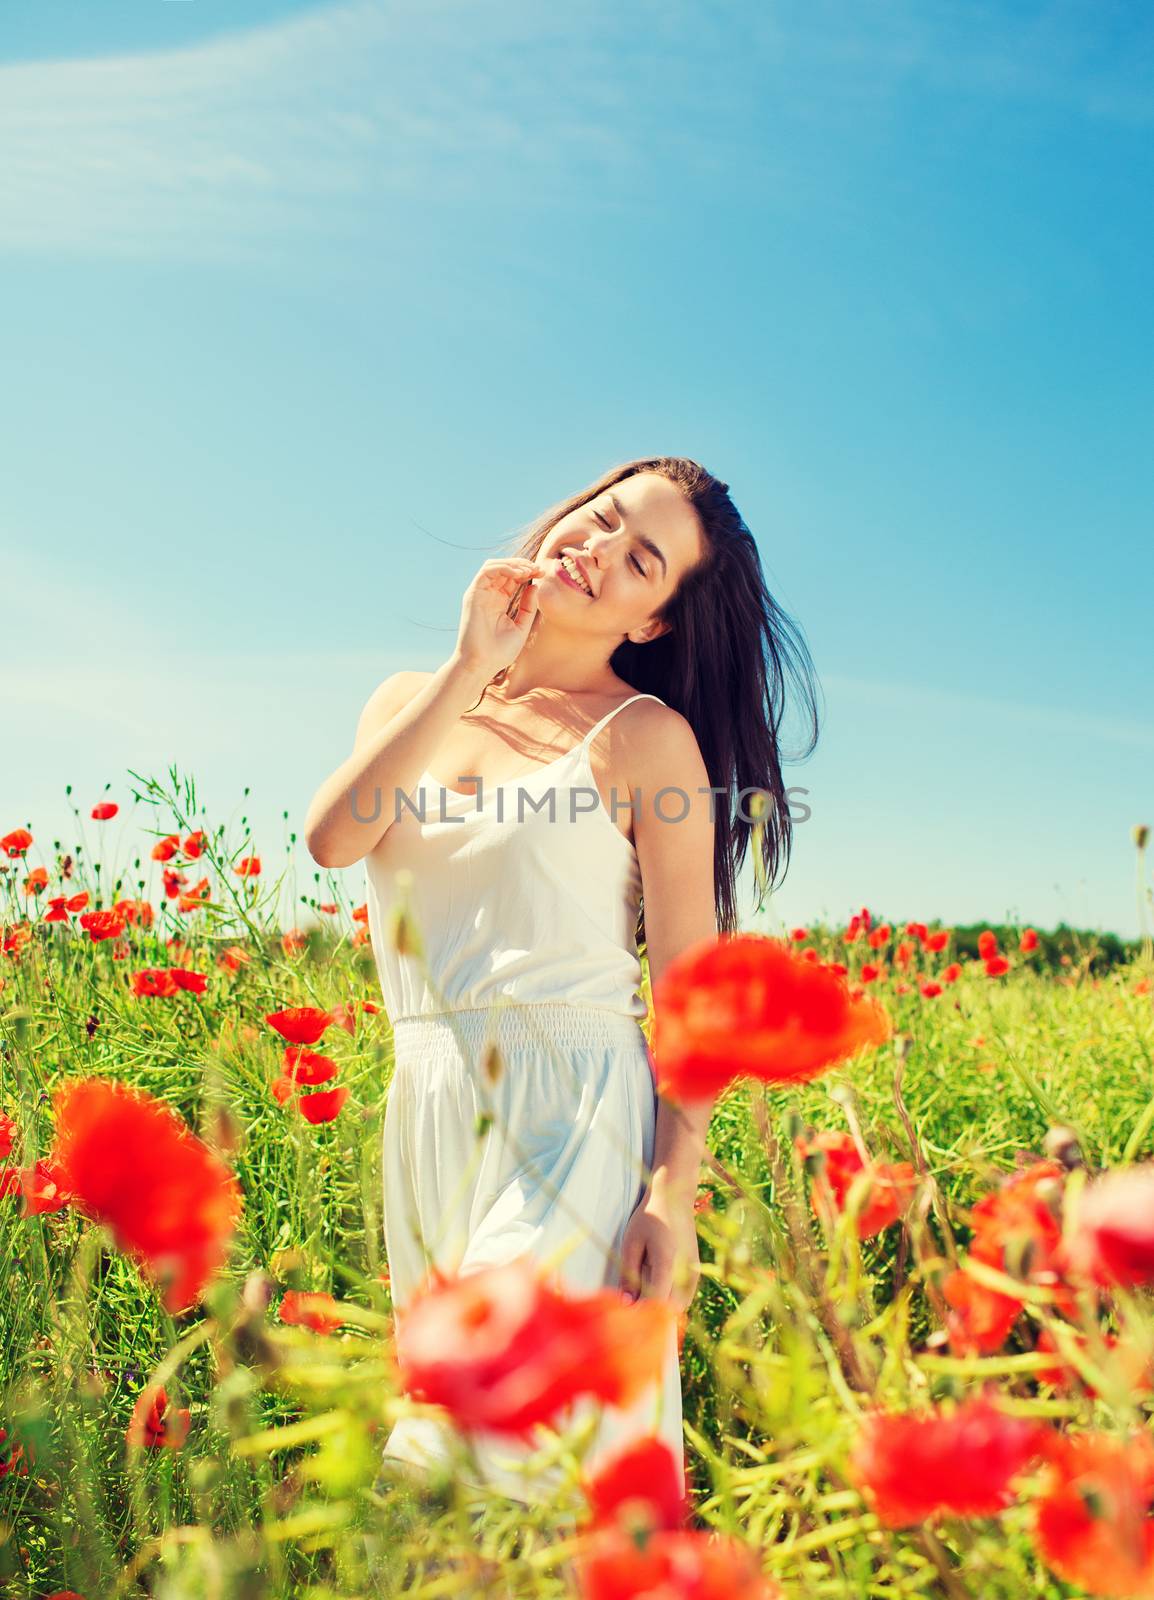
[[724, 665]]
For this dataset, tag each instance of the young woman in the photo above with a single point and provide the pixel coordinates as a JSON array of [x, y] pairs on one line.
[[613, 679]]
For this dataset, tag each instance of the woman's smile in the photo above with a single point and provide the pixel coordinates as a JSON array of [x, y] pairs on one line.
[[571, 581]]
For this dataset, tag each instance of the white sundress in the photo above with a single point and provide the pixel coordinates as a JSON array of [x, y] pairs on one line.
[[525, 899]]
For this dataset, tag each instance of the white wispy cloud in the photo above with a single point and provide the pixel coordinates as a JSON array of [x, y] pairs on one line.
[[235, 146]]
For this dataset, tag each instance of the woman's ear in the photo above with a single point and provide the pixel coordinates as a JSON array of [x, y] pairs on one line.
[[648, 631]]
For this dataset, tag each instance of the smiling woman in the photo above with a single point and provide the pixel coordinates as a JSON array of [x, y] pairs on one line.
[[632, 628]]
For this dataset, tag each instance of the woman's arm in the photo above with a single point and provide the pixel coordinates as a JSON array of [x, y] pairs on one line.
[[659, 1255], [676, 860], [402, 726]]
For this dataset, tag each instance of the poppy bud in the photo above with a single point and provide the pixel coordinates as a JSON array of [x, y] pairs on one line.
[[1141, 835], [1061, 1144], [492, 1063]]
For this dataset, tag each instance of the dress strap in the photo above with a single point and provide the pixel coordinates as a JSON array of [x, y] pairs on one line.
[[609, 715]]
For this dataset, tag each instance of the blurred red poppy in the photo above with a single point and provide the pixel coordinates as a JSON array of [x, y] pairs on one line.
[[610, 1564], [106, 809], [916, 1465], [156, 1423], [103, 924], [153, 981], [1092, 1517], [315, 1310], [43, 1186], [184, 978], [640, 1483], [501, 1348], [131, 1163], [745, 1004], [1112, 1240], [891, 1184]]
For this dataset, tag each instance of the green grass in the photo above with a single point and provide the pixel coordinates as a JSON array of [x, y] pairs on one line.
[[785, 1330]]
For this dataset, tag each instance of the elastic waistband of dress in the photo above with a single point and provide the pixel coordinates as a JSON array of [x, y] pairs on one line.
[[541, 1022]]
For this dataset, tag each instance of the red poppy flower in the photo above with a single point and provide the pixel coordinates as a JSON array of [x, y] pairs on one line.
[[317, 1311], [135, 911], [194, 844], [307, 1067], [156, 1423], [640, 1483], [323, 1105], [997, 967], [16, 936], [36, 881], [952, 973], [194, 897], [248, 867], [103, 924], [1136, 1367], [1092, 1518], [611, 1564], [294, 941], [193, 982], [980, 1320], [329, 909], [1016, 1233], [300, 1024], [169, 1200], [172, 882], [745, 1004], [233, 957], [43, 1186], [1112, 1241], [501, 1348], [106, 809], [153, 982], [16, 843], [302, 1069], [920, 1464], [344, 1015], [891, 1184], [7, 1136], [360, 913], [10, 1457], [164, 849], [938, 940], [987, 944], [1028, 941]]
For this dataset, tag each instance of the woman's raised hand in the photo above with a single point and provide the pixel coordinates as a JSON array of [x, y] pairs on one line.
[[488, 637]]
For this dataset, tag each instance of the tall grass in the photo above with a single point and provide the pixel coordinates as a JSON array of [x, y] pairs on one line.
[[279, 1489]]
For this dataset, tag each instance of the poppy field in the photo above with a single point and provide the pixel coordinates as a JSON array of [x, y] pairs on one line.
[[920, 1358]]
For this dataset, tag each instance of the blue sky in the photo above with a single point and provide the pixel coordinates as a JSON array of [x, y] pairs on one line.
[[315, 305]]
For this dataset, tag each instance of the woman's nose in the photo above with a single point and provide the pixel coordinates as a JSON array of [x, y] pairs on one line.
[[600, 545]]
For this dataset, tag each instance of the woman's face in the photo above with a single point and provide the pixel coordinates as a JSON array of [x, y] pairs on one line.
[[634, 542]]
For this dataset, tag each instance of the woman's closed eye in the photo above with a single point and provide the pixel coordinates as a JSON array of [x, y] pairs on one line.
[[632, 557]]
